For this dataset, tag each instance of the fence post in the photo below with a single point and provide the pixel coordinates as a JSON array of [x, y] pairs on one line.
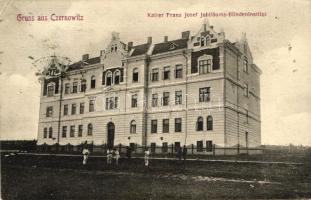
[[214, 149], [192, 147], [120, 148], [172, 149], [238, 146]]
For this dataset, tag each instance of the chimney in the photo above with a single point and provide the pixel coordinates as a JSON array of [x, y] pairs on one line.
[[85, 57], [149, 40], [165, 38], [129, 44], [185, 35]]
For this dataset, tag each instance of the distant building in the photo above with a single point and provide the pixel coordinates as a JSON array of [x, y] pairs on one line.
[[199, 89]]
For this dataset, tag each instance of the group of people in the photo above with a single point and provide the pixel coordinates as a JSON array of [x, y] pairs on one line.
[[114, 154]]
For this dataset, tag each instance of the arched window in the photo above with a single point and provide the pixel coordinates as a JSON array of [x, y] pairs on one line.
[[135, 75], [50, 132], [108, 78], [45, 132], [117, 76], [209, 123], [89, 129], [133, 126], [200, 124], [93, 82], [202, 41]]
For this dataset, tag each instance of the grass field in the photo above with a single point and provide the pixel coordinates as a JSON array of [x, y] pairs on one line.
[[59, 177]]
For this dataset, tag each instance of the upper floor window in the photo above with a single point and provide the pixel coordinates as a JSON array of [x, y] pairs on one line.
[[72, 131], [202, 41], [166, 73], [80, 130], [51, 90], [166, 98], [178, 125], [200, 124], [89, 129], [64, 131], [74, 87], [135, 75], [93, 82], [178, 71], [109, 78], [204, 66], [49, 111], [81, 108], [166, 125], [67, 88], [73, 109], [154, 126], [154, 100], [245, 65], [204, 94], [134, 101], [66, 109], [117, 76], [178, 97], [133, 126], [91, 105], [45, 132], [50, 132], [111, 103], [155, 75], [209, 124], [83, 85]]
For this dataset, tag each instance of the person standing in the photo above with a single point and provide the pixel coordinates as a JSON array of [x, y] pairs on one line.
[[117, 156], [109, 156], [128, 152], [147, 154], [184, 152], [85, 153], [179, 153]]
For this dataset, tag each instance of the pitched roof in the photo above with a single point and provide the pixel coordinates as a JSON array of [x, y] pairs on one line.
[[170, 46], [78, 65], [140, 49]]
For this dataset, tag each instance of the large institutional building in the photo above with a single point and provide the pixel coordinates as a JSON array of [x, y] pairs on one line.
[[198, 89]]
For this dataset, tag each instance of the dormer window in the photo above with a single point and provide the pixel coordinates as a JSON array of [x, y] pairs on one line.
[[117, 75], [108, 78], [202, 41]]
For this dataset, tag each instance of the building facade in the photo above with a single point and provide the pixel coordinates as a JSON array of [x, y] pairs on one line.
[[200, 89]]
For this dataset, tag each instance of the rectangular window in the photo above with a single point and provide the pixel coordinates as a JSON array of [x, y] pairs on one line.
[[74, 87], [154, 126], [64, 132], [155, 75], [135, 75], [83, 85], [166, 73], [80, 130], [45, 132], [91, 105], [66, 109], [209, 145], [164, 147], [204, 95], [49, 111], [178, 97], [72, 131], [93, 82], [73, 109], [166, 125], [67, 88], [178, 71], [111, 103], [134, 101], [81, 108], [199, 146], [166, 98], [50, 90], [153, 147], [154, 100], [204, 66], [178, 125]]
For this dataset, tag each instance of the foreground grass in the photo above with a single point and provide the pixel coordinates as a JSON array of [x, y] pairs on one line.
[[51, 177]]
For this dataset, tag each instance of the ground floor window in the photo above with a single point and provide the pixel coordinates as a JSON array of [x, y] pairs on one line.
[[209, 145], [178, 125], [45, 132], [80, 131], [177, 146], [164, 147], [199, 146], [64, 132], [153, 147]]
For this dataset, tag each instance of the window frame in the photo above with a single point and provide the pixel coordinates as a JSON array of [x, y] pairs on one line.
[[200, 124], [166, 125], [93, 82], [209, 123], [204, 96], [178, 126], [166, 73], [90, 129], [178, 71], [154, 126], [133, 127], [178, 97], [166, 99], [155, 74], [135, 75]]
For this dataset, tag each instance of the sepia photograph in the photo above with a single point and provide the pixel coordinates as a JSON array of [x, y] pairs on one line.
[[155, 99]]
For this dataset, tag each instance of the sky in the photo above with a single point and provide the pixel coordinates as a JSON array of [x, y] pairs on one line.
[[280, 45]]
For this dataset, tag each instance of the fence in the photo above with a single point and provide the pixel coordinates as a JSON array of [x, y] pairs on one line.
[[19, 145], [161, 151]]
